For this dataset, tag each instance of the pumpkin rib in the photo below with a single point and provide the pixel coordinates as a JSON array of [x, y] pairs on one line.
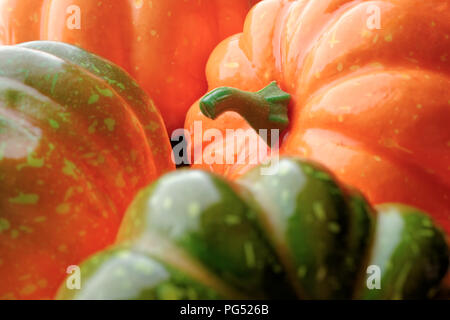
[[311, 11], [90, 174], [162, 249], [113, 162], [321, 44], [135, 98], [125, 106], [384, 154], [400, 148]]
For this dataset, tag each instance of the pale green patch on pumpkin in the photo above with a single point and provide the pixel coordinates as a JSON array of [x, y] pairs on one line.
[[4, 225], [63, 208], [26, 229], [40, 219], [93, 127], [93, 98], [114, 82], [70, 169], [65, 116], [110, 124], [25, 199], [53, 123], [51, 148], [302, 271], [334, 227], [168, 291], [319, 211], [54, 81], [249, 255], [105, 92], [194, 210], [232, 219], [32, 162], [152, 126], [15, 234]]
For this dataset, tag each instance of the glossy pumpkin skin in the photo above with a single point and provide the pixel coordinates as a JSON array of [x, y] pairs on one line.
[[295, 234], [163, 44], [78, 139], [372, 105]]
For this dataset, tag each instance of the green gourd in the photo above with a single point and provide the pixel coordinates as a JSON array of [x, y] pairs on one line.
[[294, 234]]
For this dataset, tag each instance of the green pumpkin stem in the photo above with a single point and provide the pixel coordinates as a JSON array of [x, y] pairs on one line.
[[265, 109]]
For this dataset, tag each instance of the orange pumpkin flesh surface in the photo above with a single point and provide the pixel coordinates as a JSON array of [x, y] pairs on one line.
[[373, 105], [78, 139], [163, 44]]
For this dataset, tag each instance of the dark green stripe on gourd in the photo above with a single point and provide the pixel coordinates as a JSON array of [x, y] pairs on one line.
[[269, 236]]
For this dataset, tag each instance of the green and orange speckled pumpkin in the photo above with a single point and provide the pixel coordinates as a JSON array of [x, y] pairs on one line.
[[163, 44], [78, 139], [295, 233]]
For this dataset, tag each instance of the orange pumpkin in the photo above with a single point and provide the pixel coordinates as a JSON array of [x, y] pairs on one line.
[[163, 44], [372, 104], [78, 139]]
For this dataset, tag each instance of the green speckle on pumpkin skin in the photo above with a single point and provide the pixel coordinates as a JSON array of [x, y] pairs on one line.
[[26, 229], [4, 225], [14, 234], [301, 271], [334, 227], [40, 219], [110, 124], [93, 98], [25, 199], [94, 67], [54, 81], [194, 210], [93, 127], [65, 116], [53, 123], [105, 92], [232, 220], [70, 169], [169, 291], [319, 211], [31, 162], [63, 208], [152, 126], [249, 255]]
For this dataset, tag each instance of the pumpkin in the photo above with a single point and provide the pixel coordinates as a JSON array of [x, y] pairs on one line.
[[296, 233], [163, 44], [371, 104], [78, 139]]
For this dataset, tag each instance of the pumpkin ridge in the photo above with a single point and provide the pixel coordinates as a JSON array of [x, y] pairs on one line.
[[162, 249], [101, 143], [383, 153], [139, 103]]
